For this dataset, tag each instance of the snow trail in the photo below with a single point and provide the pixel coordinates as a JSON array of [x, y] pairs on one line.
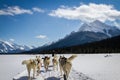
[[52, 75]]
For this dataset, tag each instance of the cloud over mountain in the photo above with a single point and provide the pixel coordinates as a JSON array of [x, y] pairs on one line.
[[87, 12]]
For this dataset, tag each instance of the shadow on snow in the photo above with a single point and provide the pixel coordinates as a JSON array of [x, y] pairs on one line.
[[52, 78], [22, 78]]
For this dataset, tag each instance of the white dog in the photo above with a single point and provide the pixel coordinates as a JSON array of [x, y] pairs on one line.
[[30, 64], [65, 65]]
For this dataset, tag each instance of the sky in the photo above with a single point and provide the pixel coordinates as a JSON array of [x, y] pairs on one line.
[[39, 22]]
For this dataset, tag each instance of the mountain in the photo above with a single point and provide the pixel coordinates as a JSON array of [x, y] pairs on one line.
[[88, 32], [9, 47], [109, 45], [100, 27]]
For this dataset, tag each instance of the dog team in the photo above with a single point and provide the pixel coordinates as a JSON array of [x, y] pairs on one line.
[[36, 64]]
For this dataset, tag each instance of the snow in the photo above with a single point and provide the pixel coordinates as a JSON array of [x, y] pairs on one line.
[[107, 32], [23, 76], [53, 75], [98, 66], [97, 26], [5, 47], [10, 65], [8, 47], [85, 67], [31, 47], [21, 48]]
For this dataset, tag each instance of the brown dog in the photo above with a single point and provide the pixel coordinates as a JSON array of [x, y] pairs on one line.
[[65, 65], [39, 64], [55, 63], [46, 62]]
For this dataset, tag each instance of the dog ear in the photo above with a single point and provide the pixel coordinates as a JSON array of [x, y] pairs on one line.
[[36, 56]]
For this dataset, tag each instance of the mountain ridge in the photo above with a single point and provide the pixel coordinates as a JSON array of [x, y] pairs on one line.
[[109, 45], [10, 47]]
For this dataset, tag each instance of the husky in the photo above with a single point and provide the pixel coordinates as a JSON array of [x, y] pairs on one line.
[[30, 64], [39, 64], [46, 62], [65, 65], [55, 63]]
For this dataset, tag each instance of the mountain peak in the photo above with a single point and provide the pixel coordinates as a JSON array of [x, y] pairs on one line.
[[97, 21], [95, 26], [98, 26]]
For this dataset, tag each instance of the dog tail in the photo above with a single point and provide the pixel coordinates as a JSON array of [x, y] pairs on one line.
[[71, 57]]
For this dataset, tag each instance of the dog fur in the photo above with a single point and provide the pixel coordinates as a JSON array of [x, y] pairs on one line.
[[46, 62], [55, 62], [39, 64], [30, 64], [65, 65]]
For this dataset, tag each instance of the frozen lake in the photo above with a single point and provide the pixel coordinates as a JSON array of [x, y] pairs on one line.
[[96, 66]]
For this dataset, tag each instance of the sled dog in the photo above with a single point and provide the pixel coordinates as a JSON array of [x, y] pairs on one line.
[[46, 62], [65, 65], [55, 62], [30, 64], [39, 64]]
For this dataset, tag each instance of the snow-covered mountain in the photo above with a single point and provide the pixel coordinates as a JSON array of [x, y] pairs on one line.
[[88, 32], [10, 47], [100, 27]]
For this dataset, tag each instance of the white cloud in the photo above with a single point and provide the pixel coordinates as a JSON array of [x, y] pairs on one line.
[[41, 36], [14, 10], [12, 40], [36, 9], [87, 12]]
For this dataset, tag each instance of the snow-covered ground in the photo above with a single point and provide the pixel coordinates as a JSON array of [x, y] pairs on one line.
[[95, 66], [52, 75], [99, 66]]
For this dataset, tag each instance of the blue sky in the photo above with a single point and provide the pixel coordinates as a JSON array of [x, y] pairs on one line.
[[37, 22]]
